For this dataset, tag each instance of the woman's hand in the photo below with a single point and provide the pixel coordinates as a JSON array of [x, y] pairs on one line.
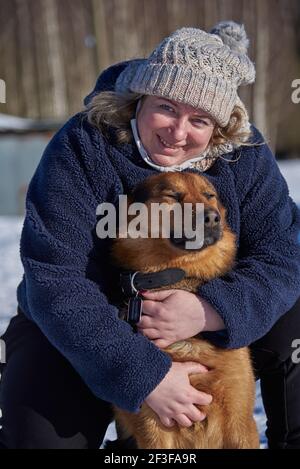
[[175, 399], [173, 315]]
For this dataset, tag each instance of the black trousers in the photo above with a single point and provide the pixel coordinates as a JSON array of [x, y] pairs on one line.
[[45, 404]]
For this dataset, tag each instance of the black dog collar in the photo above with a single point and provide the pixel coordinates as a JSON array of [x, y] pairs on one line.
[[132, 282]]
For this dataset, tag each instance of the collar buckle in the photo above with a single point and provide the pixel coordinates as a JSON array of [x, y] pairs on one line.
[[127, 283]]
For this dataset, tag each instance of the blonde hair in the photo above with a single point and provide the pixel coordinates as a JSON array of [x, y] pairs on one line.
[[112, 109]]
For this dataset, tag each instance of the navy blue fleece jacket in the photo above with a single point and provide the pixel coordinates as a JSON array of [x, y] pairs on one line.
[[68, 288]]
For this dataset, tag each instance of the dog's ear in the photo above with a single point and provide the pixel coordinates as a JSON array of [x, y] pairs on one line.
[[140, 194], [165, 189], [147, 190], [144, 192]]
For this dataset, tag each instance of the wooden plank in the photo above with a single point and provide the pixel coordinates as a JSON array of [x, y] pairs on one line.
[[27, 59], [55, 63], [9, 57], [101, 33]]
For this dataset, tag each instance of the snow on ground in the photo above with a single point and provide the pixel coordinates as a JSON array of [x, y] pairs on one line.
[[290, 169], [11, 274]]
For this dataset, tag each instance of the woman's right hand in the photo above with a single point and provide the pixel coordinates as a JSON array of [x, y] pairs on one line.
[[174, 399]]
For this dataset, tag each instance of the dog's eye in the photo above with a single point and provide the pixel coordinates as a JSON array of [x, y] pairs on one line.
[[208, 195], [173, 195]]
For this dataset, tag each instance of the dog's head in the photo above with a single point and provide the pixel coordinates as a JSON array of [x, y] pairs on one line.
[[183, 190]]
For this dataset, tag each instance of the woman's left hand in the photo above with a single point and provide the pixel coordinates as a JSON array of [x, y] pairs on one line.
[[173, 315]]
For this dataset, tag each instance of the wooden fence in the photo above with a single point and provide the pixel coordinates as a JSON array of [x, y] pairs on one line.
[[51, 51]]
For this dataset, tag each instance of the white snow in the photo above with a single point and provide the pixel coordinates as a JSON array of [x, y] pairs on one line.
[[290, 169], [11, 274]]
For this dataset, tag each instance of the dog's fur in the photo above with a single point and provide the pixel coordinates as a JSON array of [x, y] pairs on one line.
[[230, 380]]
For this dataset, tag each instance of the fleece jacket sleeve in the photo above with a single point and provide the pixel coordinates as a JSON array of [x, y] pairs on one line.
[[118, 365], [265, 282]]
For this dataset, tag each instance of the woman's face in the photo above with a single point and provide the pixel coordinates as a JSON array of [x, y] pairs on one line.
[[173, 132]]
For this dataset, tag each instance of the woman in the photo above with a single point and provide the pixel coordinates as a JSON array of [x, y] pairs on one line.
[[68, 354]]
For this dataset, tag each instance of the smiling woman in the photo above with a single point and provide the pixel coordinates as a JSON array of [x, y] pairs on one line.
[[171, 132], [118, 110]]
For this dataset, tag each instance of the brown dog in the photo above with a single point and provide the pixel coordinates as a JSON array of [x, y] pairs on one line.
[[230, 380]]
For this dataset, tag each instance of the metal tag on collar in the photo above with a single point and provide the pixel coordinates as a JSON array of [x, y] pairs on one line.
[[127, 283], [135, 308]]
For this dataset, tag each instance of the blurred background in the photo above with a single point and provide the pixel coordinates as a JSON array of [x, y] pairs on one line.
[[51, 52]]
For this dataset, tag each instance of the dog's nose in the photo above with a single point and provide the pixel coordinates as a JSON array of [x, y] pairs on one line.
[[211, 218]]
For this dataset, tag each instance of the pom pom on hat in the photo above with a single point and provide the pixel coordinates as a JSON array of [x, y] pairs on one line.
[[233, 35], [194, 67]]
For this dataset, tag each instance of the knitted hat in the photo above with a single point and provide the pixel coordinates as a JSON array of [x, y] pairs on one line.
[[197, 68]]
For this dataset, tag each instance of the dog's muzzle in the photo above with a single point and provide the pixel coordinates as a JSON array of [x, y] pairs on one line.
[[212, 232]]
